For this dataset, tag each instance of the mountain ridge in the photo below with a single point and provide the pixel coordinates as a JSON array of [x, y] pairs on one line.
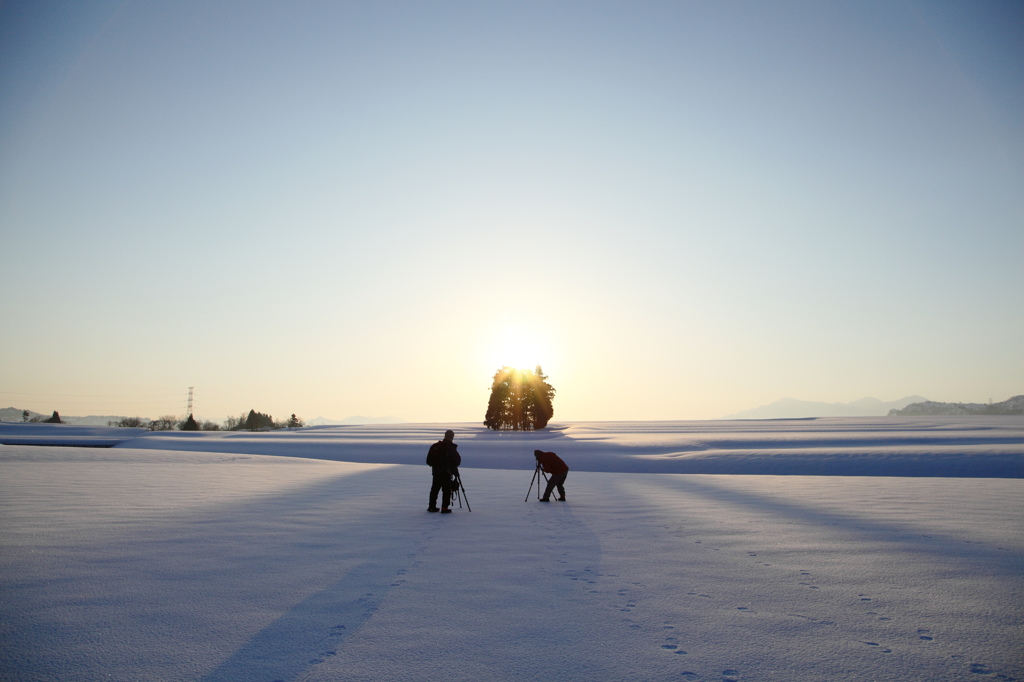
[[792, 408], [1014, 405], [354, 421]]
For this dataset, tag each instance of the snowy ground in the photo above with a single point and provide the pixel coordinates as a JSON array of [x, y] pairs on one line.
[[150, 562]]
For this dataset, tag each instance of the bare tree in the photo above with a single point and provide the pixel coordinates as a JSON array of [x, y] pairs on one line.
[[167, 422], [128, 422], [234, 423]]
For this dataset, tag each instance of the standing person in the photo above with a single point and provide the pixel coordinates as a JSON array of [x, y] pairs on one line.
[[554, 467], [444, 461]]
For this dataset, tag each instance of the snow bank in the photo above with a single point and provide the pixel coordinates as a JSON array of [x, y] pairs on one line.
[[12, 433]]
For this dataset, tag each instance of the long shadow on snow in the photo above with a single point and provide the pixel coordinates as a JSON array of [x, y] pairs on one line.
[[999, 561], [226, 564], [310, 631]]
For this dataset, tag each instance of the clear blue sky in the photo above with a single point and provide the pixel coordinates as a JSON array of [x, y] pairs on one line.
[[681, 210]]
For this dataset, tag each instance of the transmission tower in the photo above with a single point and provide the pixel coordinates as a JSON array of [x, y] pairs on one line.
[[189, 411]]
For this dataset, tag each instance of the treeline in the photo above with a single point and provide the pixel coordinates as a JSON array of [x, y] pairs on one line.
[[251, 421], [53, 419], [257, 421]]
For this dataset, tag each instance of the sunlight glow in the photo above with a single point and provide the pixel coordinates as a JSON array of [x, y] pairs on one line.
[[515, 347]]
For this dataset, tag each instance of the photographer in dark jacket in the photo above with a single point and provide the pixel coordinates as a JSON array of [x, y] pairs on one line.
[[444, 461]]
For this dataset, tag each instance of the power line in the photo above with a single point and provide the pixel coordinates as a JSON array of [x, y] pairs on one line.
[[107, 402], [119, 402], [96, 395], [95, 408]]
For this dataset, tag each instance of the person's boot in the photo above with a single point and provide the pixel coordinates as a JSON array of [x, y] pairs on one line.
[[544, 499], [433, 509], [446, 510]]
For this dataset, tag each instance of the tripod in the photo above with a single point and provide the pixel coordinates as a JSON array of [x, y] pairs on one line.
[[459, 491], [538, 474]]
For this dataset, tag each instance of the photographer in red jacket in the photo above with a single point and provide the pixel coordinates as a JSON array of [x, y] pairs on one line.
[[556, 469]]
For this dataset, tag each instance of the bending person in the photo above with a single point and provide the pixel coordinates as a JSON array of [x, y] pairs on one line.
[[556, 469]]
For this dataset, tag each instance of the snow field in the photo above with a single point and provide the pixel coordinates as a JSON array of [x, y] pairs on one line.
[[975, 447], [166, 565]]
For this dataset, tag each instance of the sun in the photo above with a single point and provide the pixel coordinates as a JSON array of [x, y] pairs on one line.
[[515, 347]]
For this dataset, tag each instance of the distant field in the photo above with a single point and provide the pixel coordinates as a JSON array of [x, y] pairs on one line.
[[974, 447]]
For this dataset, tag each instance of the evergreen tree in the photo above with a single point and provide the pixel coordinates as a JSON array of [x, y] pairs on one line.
[[520, 400], [499, 406], [190, 424], [258, 420], [55, 419], [538, 399], [294, 422]]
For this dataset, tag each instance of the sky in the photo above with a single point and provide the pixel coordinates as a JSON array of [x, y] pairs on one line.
[[680, 210]]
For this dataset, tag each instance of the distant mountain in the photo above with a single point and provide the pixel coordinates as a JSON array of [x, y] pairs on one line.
[[791, 408], [1014, 405], [352, 421], [13, 414], [92, 419]]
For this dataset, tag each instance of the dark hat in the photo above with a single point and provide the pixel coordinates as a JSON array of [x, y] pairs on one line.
[[538, 453], [449, 434]]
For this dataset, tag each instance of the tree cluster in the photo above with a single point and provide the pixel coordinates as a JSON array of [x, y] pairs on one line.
[[258, 420], [129, 422], [167, 422], [38, 419], [255, 421], [520, 400], [251, 420]]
